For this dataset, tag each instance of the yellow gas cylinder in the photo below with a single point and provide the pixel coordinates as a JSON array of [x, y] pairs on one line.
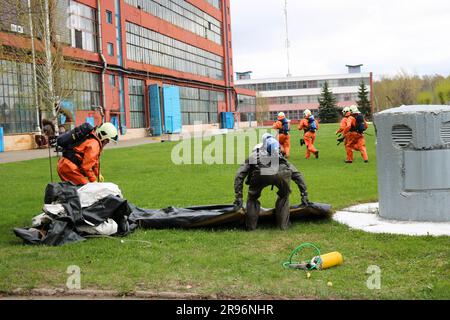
[[328, 260]]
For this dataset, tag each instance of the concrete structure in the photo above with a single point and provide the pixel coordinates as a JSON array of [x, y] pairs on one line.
[[152, 64], [365, 217], [292, 95], [413, 159]]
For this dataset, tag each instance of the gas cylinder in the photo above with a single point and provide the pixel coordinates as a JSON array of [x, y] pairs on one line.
[[327, 260]]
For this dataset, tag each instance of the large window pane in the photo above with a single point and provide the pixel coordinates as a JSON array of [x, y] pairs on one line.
[[184, 15], [137, 103], [199, 105], [170, 53], [83, 26], [17, 113]]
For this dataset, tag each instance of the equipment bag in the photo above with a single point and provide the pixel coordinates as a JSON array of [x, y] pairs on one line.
[[360, 125], [74, 137], [312, 126], [285, 126], [67, 141]]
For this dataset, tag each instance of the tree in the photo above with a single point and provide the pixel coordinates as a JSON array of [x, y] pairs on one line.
[[390, 92], [425, 97], [442, 91], [45, 34], [262, 109], [363, 101], [328, 112]]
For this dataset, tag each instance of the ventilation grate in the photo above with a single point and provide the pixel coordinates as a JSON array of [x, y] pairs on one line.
[[445, 132], [402, 135]]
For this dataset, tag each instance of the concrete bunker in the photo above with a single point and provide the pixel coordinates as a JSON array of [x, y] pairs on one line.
[[413, 156]]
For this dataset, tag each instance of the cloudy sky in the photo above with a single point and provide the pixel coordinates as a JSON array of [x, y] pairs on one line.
[[385, 35]]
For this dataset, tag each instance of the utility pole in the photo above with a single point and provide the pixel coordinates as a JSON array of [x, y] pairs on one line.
[[287, 37]]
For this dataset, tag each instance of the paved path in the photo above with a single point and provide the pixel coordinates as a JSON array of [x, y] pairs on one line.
[[13, 156]]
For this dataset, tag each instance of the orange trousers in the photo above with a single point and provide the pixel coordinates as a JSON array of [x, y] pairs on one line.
[[355, 141], [309, 138], [69, 171], [285, 143]]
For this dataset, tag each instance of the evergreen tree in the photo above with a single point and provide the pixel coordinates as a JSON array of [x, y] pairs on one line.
[[328, 112], [363, 101]]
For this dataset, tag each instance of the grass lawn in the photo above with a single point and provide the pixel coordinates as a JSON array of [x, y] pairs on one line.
[[228, 262]]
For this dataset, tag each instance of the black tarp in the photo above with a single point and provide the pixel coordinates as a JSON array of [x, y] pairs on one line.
[[65, 229]]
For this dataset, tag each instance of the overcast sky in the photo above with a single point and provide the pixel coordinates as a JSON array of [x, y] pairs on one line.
[[325, 35]]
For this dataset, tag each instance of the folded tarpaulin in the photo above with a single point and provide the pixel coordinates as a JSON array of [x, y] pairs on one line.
[[215, 215], [72, 224]]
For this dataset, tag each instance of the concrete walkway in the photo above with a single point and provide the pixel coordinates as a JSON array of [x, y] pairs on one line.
[[365, 217], [13, 156]]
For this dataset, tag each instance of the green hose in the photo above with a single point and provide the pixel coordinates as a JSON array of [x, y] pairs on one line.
[[301, 265]]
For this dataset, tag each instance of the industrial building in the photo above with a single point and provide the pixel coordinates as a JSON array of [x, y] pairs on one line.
[[155, 66]]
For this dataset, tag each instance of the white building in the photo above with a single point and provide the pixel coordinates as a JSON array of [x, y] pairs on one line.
[[292, 95]]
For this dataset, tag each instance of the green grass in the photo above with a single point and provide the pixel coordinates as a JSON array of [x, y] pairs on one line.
[[228, 262]]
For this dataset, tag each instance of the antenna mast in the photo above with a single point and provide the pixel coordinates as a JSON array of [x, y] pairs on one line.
[[287, 37]]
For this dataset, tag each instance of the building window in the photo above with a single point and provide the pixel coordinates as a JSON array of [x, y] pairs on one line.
[[109, 17], [215, 3], [199, 105], [246, 107], [150, 47], [17, 113], [110, 48], [184, 15], [112, 80], [83, 88], [83, 26], [78, 39], [137, 103]]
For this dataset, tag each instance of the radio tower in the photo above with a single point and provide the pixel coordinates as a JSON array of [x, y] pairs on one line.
[[287, 37]]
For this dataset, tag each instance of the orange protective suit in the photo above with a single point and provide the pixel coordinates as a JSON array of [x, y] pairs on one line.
[[283, 138], [309, 137], [88, 153], [354, 140], [343, 123]]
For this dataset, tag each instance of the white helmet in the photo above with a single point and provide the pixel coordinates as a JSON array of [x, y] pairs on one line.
[[306, 113], [281, 116], [266, 136], [354, 109], [345, 110], [107, 131]]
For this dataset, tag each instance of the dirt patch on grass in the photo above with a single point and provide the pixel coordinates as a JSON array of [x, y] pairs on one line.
[[63, 294]]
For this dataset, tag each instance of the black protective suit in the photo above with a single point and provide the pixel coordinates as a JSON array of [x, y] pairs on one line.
[[262, 170]]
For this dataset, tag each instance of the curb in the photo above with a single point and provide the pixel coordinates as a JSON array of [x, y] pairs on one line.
[[55, 293]]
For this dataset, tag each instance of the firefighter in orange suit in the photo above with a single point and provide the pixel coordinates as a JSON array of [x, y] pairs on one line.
[[345, 113], [309, 125], [283, 126], [81, 164], [354, 135]]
